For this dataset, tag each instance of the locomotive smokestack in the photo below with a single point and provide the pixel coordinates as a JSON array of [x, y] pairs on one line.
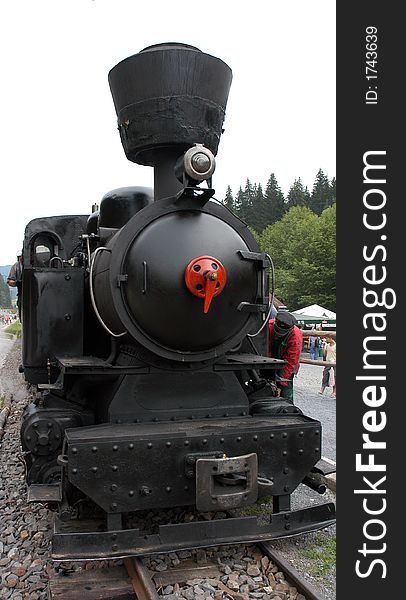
[[169, 97]]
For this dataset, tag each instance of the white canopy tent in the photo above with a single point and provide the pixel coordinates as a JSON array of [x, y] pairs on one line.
[[315, 310]]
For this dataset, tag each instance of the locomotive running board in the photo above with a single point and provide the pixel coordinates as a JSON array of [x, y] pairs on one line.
[[95, 545]]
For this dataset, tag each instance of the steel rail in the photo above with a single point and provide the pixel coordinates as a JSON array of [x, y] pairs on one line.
[[304, 587]]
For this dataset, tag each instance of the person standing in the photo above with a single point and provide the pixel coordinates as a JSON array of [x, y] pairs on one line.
[[15, 279], [330, 357], [285, 342], [314, 345]]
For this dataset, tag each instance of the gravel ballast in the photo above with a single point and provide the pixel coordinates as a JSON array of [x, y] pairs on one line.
[[25, 531]]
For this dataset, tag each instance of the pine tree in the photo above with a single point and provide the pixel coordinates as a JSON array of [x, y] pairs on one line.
[[5, 298], [259, 218], [239, 203], [248, 210], [274, 204], [298, 195], [321, 194], [333, 191], [229, 199]]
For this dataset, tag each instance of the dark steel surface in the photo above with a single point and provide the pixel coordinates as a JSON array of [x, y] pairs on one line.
[[173, 396], [211, 494], [323, 467], [64, 230], [180, 324], [171, 538], [113, 300], [230, 362], [118, 206], [234, 362], [169, 95], [44, 492], [53, 314], [113, 463]]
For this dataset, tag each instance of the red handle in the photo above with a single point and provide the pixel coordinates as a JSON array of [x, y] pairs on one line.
[[205, 277]]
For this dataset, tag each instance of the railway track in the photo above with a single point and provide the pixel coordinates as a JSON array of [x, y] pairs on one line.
[[203, 575]]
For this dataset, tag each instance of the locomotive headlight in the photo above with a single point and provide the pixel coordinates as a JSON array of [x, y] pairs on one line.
[[199, 163]]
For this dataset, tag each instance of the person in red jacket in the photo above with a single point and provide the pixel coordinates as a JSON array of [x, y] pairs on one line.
[[285, 342]]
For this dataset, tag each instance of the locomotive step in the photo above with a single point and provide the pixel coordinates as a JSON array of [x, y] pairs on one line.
[[71, 544]]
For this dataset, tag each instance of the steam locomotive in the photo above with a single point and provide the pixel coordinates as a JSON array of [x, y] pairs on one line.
[[145, 336]]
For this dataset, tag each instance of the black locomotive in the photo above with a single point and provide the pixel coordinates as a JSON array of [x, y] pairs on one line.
[[145, 334]]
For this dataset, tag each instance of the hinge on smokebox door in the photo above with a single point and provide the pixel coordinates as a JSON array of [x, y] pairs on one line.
[[122, 278], [263, 263]]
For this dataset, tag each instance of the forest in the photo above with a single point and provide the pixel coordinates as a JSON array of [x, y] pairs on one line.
[[298, 231]]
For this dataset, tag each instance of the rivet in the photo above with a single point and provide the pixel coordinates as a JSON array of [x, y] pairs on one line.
[[28, 438], [255, 438], [67, 277], [243, 414], [114, 547], [301, 451], [113, 487], [74, 450], [272, 436], [131, 446], [131, 493], [287, 525], [114, 468], [286, 488], [301, 433], [35, 425], [316, 432], [94, 449], [284, 435], [149, 445], [155, 419], [186, 443], [113, 506], [191, 460], [284, 453], [204, 442], [67, 317], [186, 488], [49, 424], [168, 444], [226, 415], [239, 439], [208, 416], [168, 489], [74, 471], [57, 436], [317, 449], [286, 470], [94, 469], [189, 474], [114, 536], [221, 440], [115, 448]]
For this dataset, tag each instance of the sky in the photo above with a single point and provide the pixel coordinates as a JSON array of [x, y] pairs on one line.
[[60, 150]]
